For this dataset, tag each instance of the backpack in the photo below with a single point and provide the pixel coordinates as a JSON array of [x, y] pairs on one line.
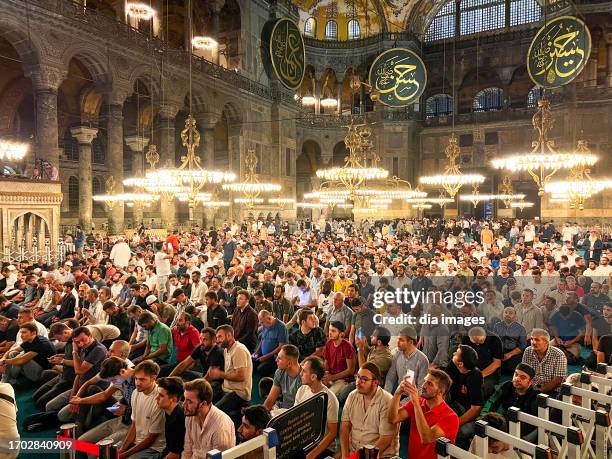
[[41, 421]]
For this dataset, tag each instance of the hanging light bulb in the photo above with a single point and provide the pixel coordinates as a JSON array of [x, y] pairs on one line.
[[206, 43], [140, 11]]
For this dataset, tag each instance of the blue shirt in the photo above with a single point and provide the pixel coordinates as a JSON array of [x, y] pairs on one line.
[[568, 328], [272, 336]]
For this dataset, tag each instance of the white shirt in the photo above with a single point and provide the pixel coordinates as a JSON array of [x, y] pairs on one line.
[[162, 264], [148, 418], [198, 291], [120, 254]]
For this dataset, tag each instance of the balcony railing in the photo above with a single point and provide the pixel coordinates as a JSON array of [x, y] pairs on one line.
[[361, 42], [120, 32], [510, 114], [311, 120]]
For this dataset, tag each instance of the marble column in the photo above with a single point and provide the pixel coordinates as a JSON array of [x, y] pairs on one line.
[[45, 82], [167, 151], [339, 88], [115, 164], [85, 135], [235, 148], [137, 144], [609, 60]]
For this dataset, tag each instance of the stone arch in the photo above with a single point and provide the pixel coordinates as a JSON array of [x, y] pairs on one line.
[[94, 62], [28, 227], [232, 111], [28, 47], [12, 96], [144, 73], [339, 153]]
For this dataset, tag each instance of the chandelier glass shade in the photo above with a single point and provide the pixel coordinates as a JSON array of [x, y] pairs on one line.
[[308, 101], [544, 161], [281, 201], [311, 205], [139, 11], [12, 151], [422, 206], [452, 179], [521, 204], [251, 188], [329, 102]]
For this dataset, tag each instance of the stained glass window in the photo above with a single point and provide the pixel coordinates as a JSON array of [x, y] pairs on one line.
[[331, 30]]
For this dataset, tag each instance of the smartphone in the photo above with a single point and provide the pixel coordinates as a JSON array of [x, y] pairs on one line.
[[410, 376], [359, 333], [113, 408]]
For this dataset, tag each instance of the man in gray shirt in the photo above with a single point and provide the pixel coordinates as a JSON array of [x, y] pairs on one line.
[[339, 312], [407, 357]]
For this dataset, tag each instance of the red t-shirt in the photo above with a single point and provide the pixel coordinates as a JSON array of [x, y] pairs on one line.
[[185, 342], [442, 416], [336, 357]]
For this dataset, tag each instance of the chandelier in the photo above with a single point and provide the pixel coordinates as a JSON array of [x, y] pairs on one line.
[[251, 188], [580, 185], [452, 179], [12, 151], [358, 167], [139, 11], [206, 43], [111, 199], [544, 161], [521, 205], [190, 177]]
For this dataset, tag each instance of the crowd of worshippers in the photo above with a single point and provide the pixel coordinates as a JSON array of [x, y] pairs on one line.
[[156, 343]]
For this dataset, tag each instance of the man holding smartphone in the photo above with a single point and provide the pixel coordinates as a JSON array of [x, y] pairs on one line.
[[431, 418]]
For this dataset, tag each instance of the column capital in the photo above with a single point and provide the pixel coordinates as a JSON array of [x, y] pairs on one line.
[[168, 110], [84, 134], [46, 77], [137, 143], [207, 120]]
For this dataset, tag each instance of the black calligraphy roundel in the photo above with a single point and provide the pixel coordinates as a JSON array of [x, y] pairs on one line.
[[288, 53], [399, 77], [559, 52]]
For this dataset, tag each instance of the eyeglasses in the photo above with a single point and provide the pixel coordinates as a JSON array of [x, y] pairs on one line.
[[363, 379]]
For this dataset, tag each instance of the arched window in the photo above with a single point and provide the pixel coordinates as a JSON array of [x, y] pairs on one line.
[[354, 29], [70, 146], [98, 150], [439, 104], [443, 24], [534, 95], [331, 30], [476, 16], [488, 100], [310, 27], [73, 193]]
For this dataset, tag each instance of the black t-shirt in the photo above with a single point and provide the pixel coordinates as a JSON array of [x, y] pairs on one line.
[[527, 403], [466, 389], [213, 359], [491, 349], [43, 348], [175, 432], [216, 316], [308, 344], [605, 346]]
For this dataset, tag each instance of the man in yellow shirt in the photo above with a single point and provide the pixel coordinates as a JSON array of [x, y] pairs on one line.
[[341, 284]]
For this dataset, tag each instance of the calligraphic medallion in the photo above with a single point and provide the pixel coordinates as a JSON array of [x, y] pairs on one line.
[[287, 53], [559, 52], [399, 77]]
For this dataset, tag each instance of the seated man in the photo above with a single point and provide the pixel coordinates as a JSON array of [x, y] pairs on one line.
[[244, 321], [568, 327], [549, 362], [185, 337], [119, 318], [273, 337], [497, 449], [313, 370], [362, 324], [237, 374], [465, 391], [254, 420], [431, 418], [207, 427], [30, 358], [365, 417], [207, 355], [168, 399], [309, 338], [490, 354], [340, 359], [514, 340], [159, 339], [518, 392], [286, 379], [408, 358], [145, 436]]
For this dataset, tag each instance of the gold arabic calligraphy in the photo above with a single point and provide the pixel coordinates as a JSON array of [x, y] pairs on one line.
[[559, 53], [397, 76], [288, 54]]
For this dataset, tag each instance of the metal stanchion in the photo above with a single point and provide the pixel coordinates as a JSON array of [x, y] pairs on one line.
[[68, 431], [108, 449]]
